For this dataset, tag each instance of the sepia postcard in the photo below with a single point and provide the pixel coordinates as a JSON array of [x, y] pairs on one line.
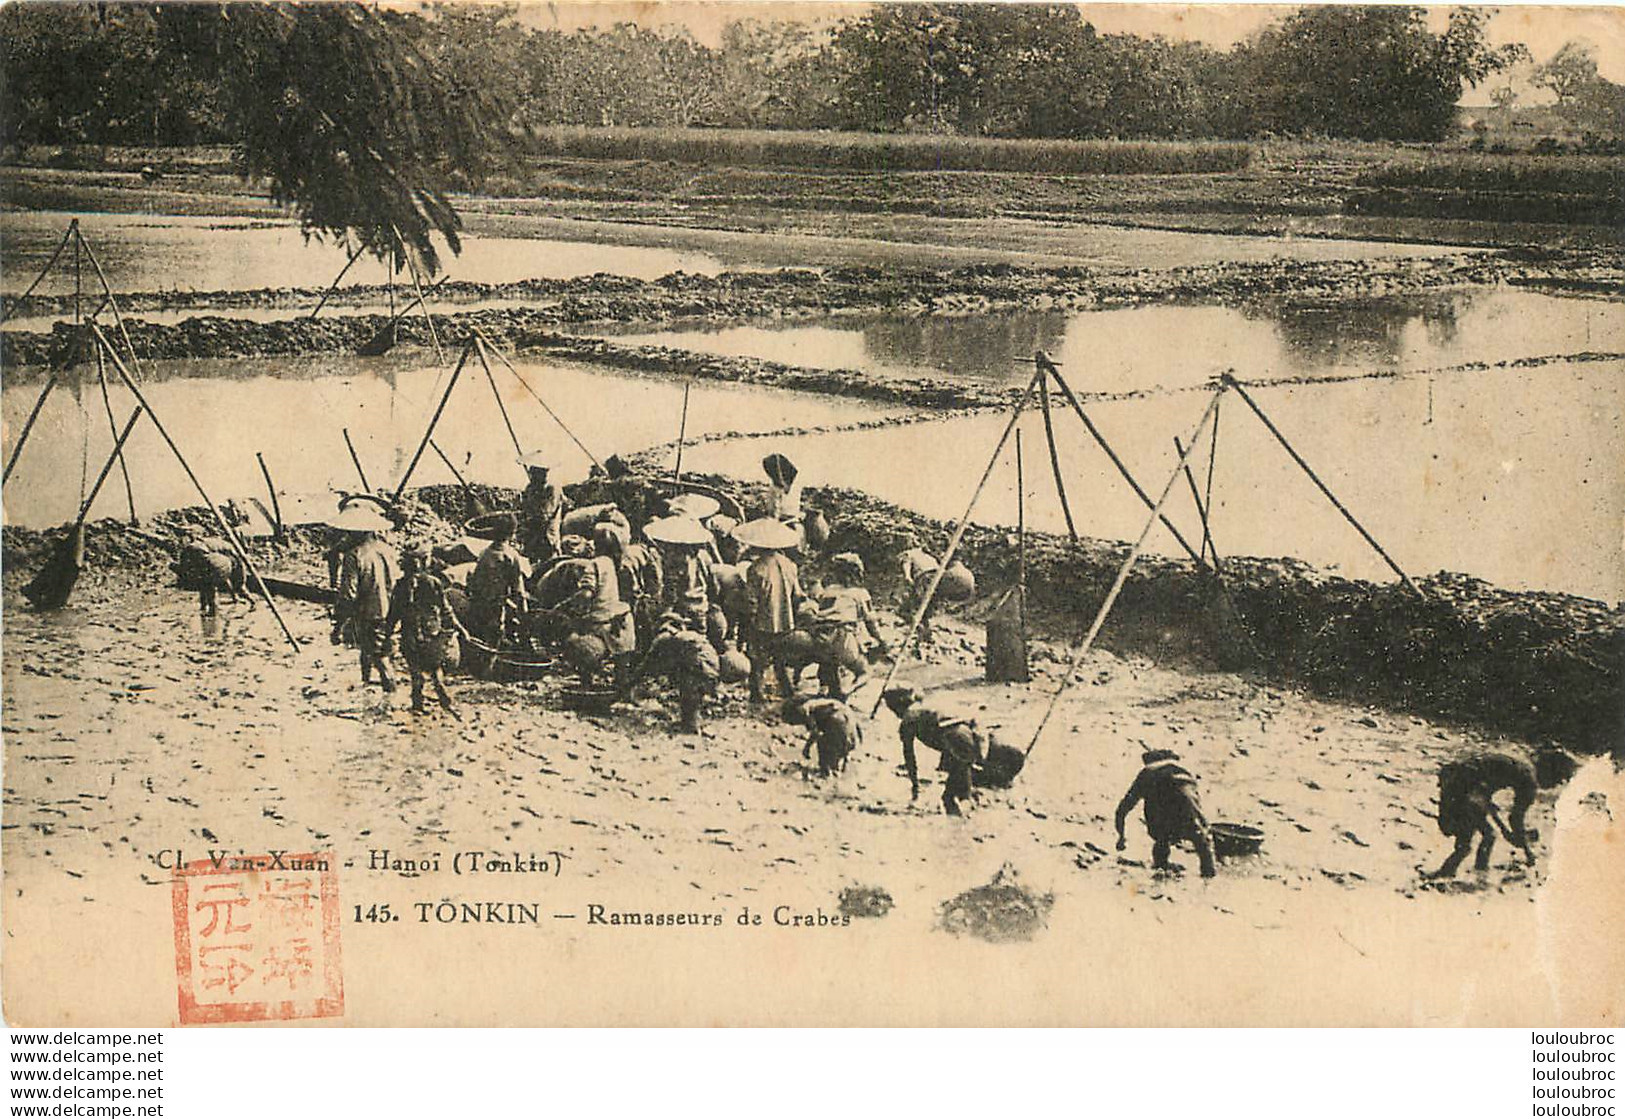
[[854, 514]]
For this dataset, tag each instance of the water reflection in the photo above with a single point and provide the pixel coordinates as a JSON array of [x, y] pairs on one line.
[[1143, 347]]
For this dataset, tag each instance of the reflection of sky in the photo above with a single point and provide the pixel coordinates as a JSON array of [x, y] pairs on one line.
[[1141, 347]]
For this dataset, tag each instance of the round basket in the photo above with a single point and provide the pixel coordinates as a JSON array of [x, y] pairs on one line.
[[1234, 841], [590, 701], [483, 526]]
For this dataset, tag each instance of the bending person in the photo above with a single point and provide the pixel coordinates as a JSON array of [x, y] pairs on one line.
[[1173, 810]]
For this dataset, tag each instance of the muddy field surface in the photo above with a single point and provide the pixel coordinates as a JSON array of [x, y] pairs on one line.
[[132, 725]]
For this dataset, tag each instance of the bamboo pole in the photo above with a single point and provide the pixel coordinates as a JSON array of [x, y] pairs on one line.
[[468, 490], [1196, 496], [1122, 576], [276, 506], [490, 379], [67, 235], [682, 434], [428, 318], [117, 455], [1207, 496], [1315, 478], [503, 358], [1021, 531], [334, 286], [225, 525], [28, 425], [112, 427], [1077, 406], [112, 301], [435, 419], [1055, 458], [953, 541], [355, 458]]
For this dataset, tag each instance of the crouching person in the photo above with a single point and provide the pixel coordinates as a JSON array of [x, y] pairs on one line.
[[1173, 810], [955, 739], [682, 656], [208, 565], [836, 730]]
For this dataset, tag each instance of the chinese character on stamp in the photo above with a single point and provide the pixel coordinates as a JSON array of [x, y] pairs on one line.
[[256, 941]]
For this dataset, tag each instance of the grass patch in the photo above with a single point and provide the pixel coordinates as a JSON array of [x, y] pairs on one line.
[[1566, 189], [864, 151], [1521, 174]]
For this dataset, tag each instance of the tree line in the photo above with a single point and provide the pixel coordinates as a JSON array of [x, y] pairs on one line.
[[177, 74]]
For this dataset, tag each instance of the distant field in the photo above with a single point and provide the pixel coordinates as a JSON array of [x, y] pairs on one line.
[[1541, 188], [863, 151]]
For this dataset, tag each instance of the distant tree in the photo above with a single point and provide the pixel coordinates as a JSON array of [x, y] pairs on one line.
[[775, 75], [1504, 98], [1569, 72], [103, 73], [345, 111], [1372, 72]]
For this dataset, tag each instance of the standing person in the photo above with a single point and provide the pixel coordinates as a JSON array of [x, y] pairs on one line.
[[367, 574], [1173, 810], [541, 510], [836, 730], [955, 739], [641, 578], [1467, 788], [496, 586], [784, 498], [843, 609], [689, 586], [429, 628], [681, 655], [775, 593]]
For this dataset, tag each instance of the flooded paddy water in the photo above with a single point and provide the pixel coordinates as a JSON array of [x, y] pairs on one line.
[[1454, 469], [294, 410], [1131, 349], [1513, 476], [163, 252]]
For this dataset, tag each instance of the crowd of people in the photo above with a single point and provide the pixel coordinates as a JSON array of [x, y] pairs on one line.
[[696, 597]]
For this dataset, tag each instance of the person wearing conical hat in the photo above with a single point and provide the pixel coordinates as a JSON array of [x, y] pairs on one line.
[[367, 574], [1173, 810], [689, 586], [541, 510], [775, 595], [496, 586]]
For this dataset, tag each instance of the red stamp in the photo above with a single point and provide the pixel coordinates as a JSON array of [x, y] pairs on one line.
[[257, 939]]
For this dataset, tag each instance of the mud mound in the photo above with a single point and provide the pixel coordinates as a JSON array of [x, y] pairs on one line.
[[865, 901], [999, 912]]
